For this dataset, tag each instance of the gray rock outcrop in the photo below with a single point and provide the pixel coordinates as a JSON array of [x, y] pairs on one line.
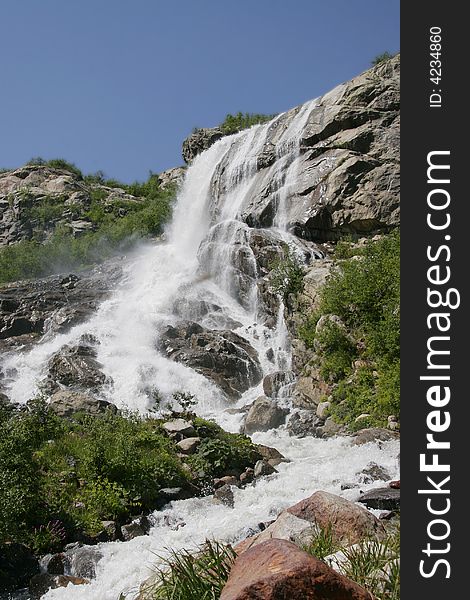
[[222, 356]]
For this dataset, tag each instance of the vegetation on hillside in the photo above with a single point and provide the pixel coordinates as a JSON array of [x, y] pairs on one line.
[[360, 353], [60, 478], [116, 226]]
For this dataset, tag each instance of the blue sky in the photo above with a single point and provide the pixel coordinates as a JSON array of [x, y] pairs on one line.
[[118, 84]]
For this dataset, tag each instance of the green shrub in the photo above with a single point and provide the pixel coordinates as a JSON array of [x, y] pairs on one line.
[[239, 121], [287, 275], [364, 291], [57, 163], [380, 58], [187, 576], [79, 471]]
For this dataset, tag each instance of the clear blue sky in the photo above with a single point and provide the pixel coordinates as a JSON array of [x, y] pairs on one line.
[[118, 84]]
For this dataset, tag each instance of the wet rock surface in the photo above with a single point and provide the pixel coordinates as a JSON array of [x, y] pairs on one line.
[[222, 356]]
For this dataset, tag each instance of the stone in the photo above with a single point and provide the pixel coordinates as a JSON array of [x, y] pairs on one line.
[[374, 472], [263, 415], [17, 566], [110, 530], [278, 569], [76, 367], [392, 423], [308, 393], [247, 476], [171, 177], [131, 531], [386, 498], [286, 527], [394, 485], [222, 356], [189, 445], [263, 468], [81, 561], [374, 434], [180, 427], [54, 564], [65, 403], [167, 495], [198, 141], [274, 383], [323, 409], [273, 456], [227, 480], [224, 495], [303, 423], [349, 522], [41, 584]]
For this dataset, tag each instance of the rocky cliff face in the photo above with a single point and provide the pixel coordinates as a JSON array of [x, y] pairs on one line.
[[348, 176], [36, 199]]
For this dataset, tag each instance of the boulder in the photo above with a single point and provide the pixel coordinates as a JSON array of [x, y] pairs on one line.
[[131, 531], [263, 468], [171, 177], [75, 367], [222, 356], [278, 569], [81, 560], [374, 472], [386, 498], [275, 382], [323, 409], [271, 455], [17, 566], [200, 140], [188, 445], [303, 423], [65, 403], [374, 434], [349, 522], [309, 392], [180, 427], [224, 495], [227, 480], [263, 415], [41, 584], [285, 527]]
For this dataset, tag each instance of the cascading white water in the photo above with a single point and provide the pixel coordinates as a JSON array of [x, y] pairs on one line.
[[207, 241]]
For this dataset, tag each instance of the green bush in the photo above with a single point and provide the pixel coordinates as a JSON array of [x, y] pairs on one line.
[[78, 472], [57, 163], [239, 121], [364, 291], [287, 275], [380, 58]]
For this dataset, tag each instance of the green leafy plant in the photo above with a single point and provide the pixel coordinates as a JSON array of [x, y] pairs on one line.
[[322, 543], [183, 575], [287, 275]]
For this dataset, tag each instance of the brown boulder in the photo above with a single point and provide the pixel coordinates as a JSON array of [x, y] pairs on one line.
[[349, 522], [277, 569]]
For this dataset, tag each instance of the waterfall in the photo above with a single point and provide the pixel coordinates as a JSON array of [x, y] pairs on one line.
[[207, 271]]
